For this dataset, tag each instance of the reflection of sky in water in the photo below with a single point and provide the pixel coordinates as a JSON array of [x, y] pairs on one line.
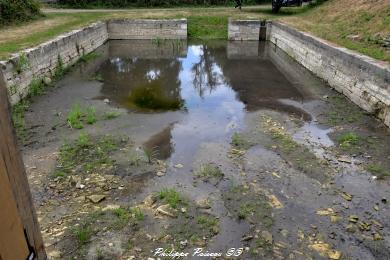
[[211, 117]]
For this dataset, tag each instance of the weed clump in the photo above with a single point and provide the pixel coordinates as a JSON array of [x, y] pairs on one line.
[[209, 171], [347, 140], [240, 142], [77, 116], [171, 197], [85, 155], [111, 115]]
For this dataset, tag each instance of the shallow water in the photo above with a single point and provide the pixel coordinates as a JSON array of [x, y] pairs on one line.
[[182, 102]]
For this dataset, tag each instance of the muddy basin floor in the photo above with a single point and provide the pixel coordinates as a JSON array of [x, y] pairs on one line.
[[217, 150]]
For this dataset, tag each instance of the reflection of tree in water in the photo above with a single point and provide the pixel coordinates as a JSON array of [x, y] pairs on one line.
[[207, 74], [142, 84], [161, 144]]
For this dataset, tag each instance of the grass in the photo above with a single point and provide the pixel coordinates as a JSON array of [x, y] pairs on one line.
[[18, 119], [74, 117], [77, 116], [207, 27], [245, 204], [208, 223], [339, 20], [85, 155], [83, 234], [111, 115], [125, 216], [90, 115], [209, 171], [37, 87], [34, 33], [171, 197], [347, 140], [114, 219], [378, 170], [22, 63], [238, 141]]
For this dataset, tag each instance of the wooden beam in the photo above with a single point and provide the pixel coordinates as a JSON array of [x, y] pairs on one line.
[[12, 169]]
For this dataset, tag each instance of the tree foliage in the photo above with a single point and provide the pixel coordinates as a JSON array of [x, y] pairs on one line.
[[12, 11]]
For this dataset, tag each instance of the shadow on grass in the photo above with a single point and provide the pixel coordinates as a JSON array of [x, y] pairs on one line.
[[288, 11]]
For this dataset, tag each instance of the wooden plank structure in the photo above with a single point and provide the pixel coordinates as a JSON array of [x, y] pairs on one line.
[[20, 236]]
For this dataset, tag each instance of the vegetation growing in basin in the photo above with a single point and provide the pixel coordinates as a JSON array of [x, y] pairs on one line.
[[85, 155], [171, 197], [239, 141], [77, 116], [112, 219], [209, 171]]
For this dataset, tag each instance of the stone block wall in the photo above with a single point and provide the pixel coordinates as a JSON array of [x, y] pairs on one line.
[[244, 30], [43, 60], [147, 29], [363, 80]]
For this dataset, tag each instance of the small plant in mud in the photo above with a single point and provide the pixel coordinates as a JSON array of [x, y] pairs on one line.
[[348, 140], [378, 170], [90, 116], [111, 115], [85, 155], [83, 234], [208, 223], [125, 216], [240, 142], [37, 87], [171, 197], [248, 205], [77, 116], [209, 171], [18, 119], [114, 219]]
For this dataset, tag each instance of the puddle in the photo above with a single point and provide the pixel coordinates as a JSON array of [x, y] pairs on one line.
[[237, 124]]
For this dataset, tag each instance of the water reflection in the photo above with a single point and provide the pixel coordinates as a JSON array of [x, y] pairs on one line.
[[214, 90]]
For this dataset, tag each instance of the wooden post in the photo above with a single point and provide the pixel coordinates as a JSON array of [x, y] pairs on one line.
[[20, 235]]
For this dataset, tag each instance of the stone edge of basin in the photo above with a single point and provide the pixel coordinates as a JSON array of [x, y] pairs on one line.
[[364, 80], [41, 61]]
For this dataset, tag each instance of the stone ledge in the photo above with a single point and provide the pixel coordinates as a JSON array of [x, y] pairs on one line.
[[364, 80]]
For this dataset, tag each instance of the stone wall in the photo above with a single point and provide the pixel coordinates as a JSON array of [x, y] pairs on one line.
[[244, 30], [363, 80], [43, 60], [147, 29]]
